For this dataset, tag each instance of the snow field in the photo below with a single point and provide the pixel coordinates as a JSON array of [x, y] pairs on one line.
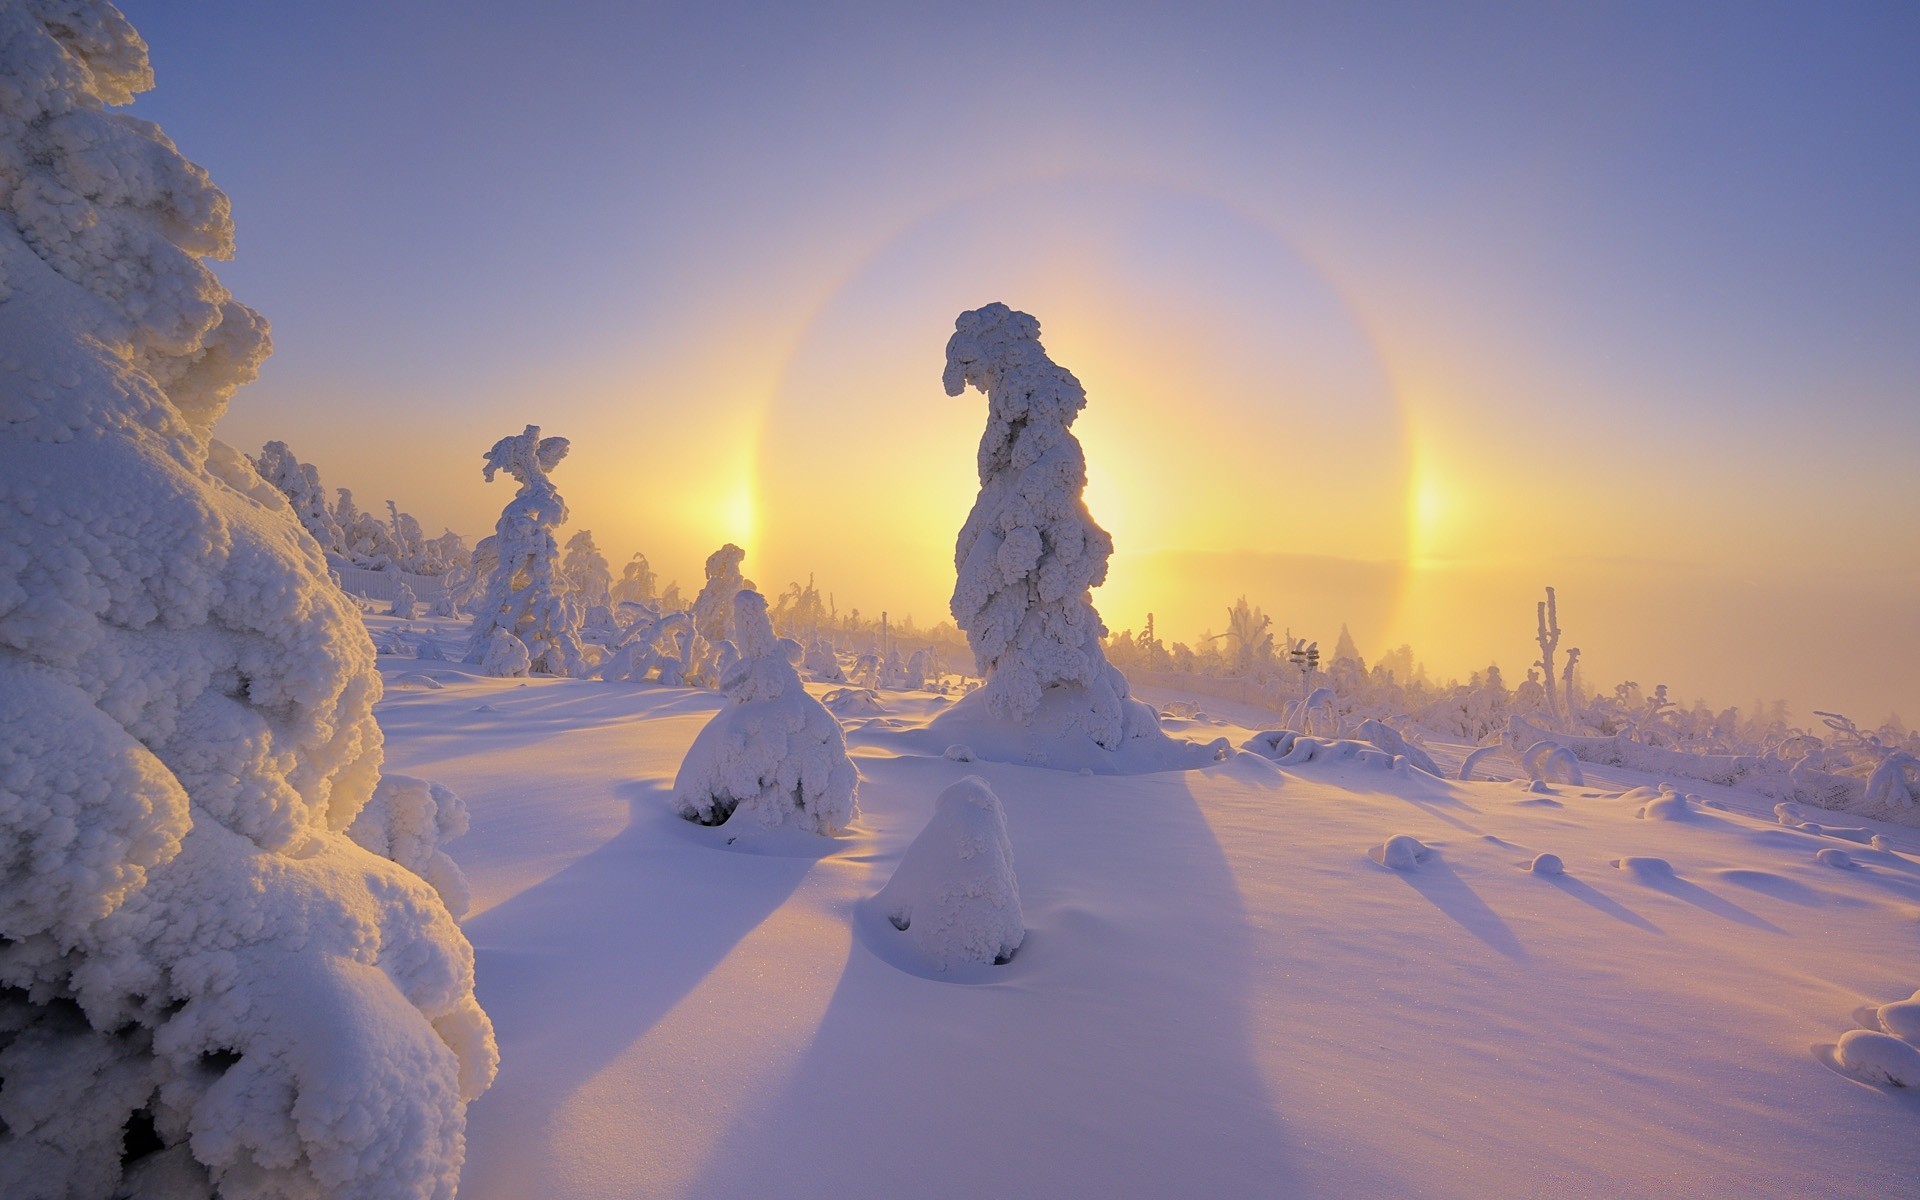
[[1219, 992]]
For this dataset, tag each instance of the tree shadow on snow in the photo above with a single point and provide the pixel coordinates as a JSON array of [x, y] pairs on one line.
[[1112, 1056], [1442, 887], [1586, 893], [578, 967]]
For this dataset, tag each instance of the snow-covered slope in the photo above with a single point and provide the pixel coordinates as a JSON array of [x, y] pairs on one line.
[[1220, 992]]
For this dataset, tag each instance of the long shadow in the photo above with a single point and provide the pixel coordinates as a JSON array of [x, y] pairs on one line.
[[1588, 894], [1114, 1056], [1443, 888], [1701, 898], [578, 967]]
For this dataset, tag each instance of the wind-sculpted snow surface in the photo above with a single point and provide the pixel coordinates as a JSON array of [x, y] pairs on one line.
[[954, 895], [524, 596], [205, 985], [1029, 553], [773, 756]]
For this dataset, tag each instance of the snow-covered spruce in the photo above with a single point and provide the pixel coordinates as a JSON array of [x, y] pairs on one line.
[[773, 756], [954, 894], [206, 986], [525, 594], [1029, 553]]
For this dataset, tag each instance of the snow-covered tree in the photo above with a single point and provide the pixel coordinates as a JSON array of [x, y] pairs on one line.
[[713, 607], [300, 483], [637, 582], [587, 573], [1029, 553], [525, 595], [206, 986], [773, 756], [406, 605]]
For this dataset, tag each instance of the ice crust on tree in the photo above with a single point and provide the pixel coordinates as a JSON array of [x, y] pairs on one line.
[[773, 756], [954, 894], [525, 595], [187, 934], [1030, 553]]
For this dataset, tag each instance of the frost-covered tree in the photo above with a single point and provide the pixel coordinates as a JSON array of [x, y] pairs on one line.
[[1029, 553], [300, 483], [406, 605], [587, 573], [773, 756], [206, 986], [637, 583], [713, 607], [525, 594]]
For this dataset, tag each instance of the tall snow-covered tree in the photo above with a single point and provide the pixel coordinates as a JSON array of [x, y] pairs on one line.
[[1029, 553], [525, 596], [206, 985], [713, 607], [586, 571]]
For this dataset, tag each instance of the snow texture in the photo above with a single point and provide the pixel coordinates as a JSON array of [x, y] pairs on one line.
[[190, 944], [408, 820], [525, 595], [773, 756], [1029, 553], [954, 894]]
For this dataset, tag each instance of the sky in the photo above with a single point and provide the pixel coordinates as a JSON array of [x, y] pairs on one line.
[[1388, 315]]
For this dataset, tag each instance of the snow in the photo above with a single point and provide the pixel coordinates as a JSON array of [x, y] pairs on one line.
[[1218, 991], [954, 895]]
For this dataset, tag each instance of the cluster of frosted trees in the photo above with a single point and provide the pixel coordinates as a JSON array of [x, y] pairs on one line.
[[349, 536]]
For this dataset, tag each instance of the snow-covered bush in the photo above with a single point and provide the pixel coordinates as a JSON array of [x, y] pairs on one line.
[[1029, 553], [954, 893], [525, 596], [773, 756], [657, 644], [206, 987]]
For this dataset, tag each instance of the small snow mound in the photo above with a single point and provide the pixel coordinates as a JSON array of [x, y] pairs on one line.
[[954, 893], [418, 679], [1879, 1058], [1901, 1018], [1879, 842], [1547, 864], [1401, 852], [1833, 856], [1668, 806], [853, 702], [958, 753], [1644, 867]]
